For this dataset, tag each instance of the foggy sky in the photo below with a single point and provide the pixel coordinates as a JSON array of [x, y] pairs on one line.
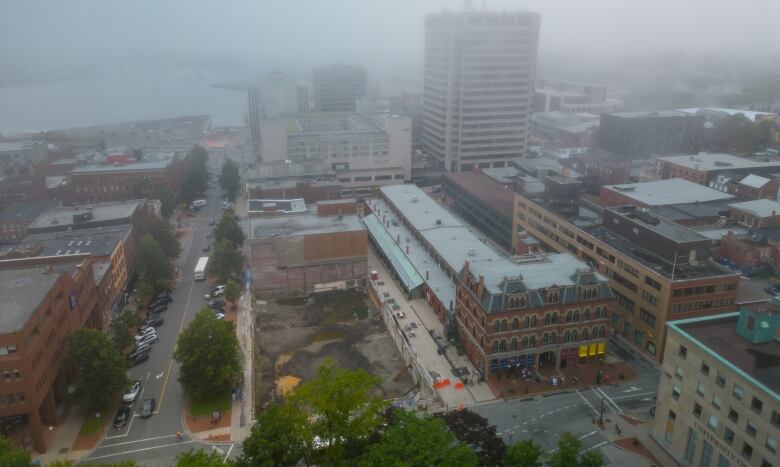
[[296, 34]]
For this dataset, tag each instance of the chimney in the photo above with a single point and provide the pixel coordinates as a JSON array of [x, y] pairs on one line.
[[450, 305], [465, 269], [407, 249], [481, 286]]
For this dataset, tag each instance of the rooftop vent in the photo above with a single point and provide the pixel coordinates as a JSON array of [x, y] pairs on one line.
[[472, 252], [438, 221], [415, 199]]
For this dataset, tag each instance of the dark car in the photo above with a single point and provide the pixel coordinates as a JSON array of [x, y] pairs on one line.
[[212, 222], [153, 321], [159, 302], [139, 358], [122, 416], [157, 309], [216, 304], [772, 289], [206, 247], [218, 310], [164, 295], [147, 408]]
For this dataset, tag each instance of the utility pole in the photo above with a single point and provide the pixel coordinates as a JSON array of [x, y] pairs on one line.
[[601, 413]]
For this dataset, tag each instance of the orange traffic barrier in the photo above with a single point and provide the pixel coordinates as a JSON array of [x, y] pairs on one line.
[[459, 385], [441, 383]]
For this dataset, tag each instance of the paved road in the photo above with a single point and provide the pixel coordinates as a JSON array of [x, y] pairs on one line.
[[544, 418], [153, 440]]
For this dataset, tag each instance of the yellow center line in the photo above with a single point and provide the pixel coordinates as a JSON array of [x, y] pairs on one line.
[[170, 365]]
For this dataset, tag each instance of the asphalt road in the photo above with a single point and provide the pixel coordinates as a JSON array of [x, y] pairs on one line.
[[544, 418], [152, 441]]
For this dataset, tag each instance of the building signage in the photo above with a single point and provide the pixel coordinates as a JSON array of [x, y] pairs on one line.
[[720, 445]]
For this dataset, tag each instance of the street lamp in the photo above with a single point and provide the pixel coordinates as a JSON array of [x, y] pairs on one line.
[[601, 413]]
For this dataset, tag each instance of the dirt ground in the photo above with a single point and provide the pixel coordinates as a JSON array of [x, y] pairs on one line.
[[294, 336]]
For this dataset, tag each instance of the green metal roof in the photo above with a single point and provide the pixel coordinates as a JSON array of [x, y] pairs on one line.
[[401, 264]]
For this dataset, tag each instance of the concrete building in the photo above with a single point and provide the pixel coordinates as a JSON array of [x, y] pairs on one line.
[[719, 113], [552, 95], [254, 115], [15, 218], [311, 191], [643, 134], [338, 87], [22, 189], [299, 253], [302, 98], [660, 193], [719, 394], [756, 214], [42, 306], [479, 69], [484, 203], [362, 150], [724, 172], [658, 269], [21, 159], [564, 135]]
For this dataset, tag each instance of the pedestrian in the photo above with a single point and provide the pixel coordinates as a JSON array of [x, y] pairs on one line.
[[178, 436], [617, 429]]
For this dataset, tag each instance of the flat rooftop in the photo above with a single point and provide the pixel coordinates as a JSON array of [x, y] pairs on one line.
[[669, 191], [289, 184], [21, 291], [303, 224], [134, 167], [650, 114], [97, 241], [276, 205], [501, 174], [26, 210], [63, 216], [485, 189], [758, 207], [659, 225], [717, 335], [750, 114], [19, 146], [336, 123], [718, 162]]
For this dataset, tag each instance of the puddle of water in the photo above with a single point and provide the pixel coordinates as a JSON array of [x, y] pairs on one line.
[[286, 384]]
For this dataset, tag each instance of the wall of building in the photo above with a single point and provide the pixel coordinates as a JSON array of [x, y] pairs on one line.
[[332, 246]]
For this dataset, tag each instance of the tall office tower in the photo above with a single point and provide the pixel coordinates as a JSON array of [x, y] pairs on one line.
[[478, 88], [254, 114], [302, 92], [337, 87]]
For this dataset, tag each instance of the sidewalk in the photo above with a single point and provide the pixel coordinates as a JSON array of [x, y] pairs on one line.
[[646, 452], [242, 415], [65, 437]]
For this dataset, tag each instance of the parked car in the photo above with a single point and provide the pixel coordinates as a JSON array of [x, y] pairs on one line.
[[149, 339], [216, 292], [153, 321], [212, 222], [207, 247], [132, 392], [209, 234], [772, 289], [138, 349], [147, 408], [216, 303], [220, 315], [143, 333], [140, 358], [164, 296], [122, 417], [218, 310], [162, 301], [158, 309]]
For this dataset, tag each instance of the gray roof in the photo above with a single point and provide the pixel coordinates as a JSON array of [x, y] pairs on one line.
[[304, 224], [21, 291], [63, 216], [717, 162], [26, 210], [758, 207], [136, 167], [644, 114], [276, 205], [97, 241], [669, 191]]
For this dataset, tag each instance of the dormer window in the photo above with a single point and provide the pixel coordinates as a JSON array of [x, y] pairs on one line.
[[517, 301], [589, 293], [553, 296]]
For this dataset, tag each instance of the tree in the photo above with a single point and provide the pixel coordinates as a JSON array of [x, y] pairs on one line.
[[525, 453], [567, 454], [226, 261], [229, 179], [120, 328], [209, 355], [232, 291], [412, 441], [228, 229], [276, 439], [11, 456], [153, 265], [164, 234], [145, 290], [101, 370], [473, 430], [737, 134], [69, 463], [197, 175], [167, 202], [199, 458], [342, 409]]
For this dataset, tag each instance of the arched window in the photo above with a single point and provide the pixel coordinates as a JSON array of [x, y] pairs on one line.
[[586, 314], [548, 318], [513, 344], [532, 341], [553, 338], [495, 347], [515, 324], [584, 334], [527, 322], [496, 326], [595, 333], [555, 318], [502, 345], [533, 321], [574, 335], [545, 338], [569, 316], [503, 325], [524, 343], [567, 336], [576, 316]]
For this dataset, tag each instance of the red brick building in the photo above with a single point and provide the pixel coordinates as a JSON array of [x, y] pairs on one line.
[[311, 191], [22, 188], [15, 218]]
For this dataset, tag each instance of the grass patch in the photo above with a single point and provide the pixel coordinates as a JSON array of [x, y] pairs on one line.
[[294, 301], [204, 407], [93, 424], [325, 335], [340, 305]]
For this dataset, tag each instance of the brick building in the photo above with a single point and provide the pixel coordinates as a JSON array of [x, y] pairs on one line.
[[642, 134], [667, 192], [22, 188], [15, 218], [309, 191], [705, 168]]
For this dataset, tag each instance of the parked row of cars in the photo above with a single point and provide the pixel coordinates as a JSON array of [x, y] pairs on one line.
[[147, 332]]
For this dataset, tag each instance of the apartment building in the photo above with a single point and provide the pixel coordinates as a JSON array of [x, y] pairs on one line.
[[553, 95], [642, 134], [719, 394], [659, 270], [479, 74], [338, 87]]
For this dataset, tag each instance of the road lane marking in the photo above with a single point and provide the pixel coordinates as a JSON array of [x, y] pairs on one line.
[[610, 403], [136, 441], [170, 365], [228, 453], [633, 395], [593, 447], [585, 436], [140, 450], [587, 402], [126, 432]]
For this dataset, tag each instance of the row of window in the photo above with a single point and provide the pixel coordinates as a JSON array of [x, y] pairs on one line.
[[501, 325], [10, 400], [7, 349], [702, 304], [12, 376], [500, 345]]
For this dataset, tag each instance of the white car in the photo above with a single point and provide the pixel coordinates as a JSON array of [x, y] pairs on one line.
[[216, 291], [131, 393]]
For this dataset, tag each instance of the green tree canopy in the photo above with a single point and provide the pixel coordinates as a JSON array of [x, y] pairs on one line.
[[197, 176], [232, 291], [199, 458], [167, 202], [101, 370], [737, 134], [165, 235], [228, 229], [153, 265], [229, 179], [342, 409], [568, 454], [276, 439], [473, 430], [11, 456], [524, 453], [412, 441], [226, 261], [209, 355], [120, 328]]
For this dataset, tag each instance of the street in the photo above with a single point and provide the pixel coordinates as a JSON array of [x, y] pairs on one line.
[[152, 441]]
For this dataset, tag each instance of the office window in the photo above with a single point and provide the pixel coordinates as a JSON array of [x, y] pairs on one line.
[[756, 405], [697, 410], [716, 401], [733, 415], [771, 443], [706, 454], [17, 375], [682, 351], [676, 392], [705, 369], [747, 451], [750, 429], [765, 463], [690, 445], [723, 461], [701, 389], [720, 380], [728, 435], [738, 392], [776, 418], [712, 422], [679, 372]]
